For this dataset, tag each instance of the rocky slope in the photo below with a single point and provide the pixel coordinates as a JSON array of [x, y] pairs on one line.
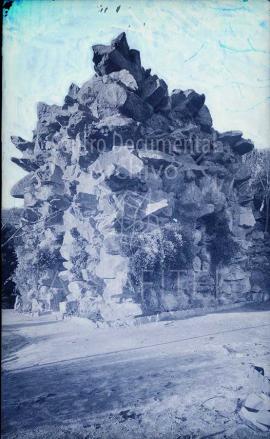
[[134, 203]]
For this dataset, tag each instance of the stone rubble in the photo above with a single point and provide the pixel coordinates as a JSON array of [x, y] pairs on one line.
[[255, 410]]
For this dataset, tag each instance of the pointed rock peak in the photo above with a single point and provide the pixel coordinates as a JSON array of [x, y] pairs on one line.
[[72, 94], [42, 108], [117, 56], [73, 87], [46, 111], [73, 90], [21, 144], [16, 140], [121, 44], [26, 164], [21, 186]]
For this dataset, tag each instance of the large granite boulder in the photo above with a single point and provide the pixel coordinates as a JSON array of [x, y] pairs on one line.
[[204, 118], [230, 137], [113, 98], [78, 121], [154, 91], [243, 146], [124, 77], [187, 103]]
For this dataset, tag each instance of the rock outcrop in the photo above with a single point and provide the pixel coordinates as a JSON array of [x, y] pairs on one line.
[[134, 201]]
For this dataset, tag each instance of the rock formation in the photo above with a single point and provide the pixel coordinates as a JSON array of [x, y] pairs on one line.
[[134, 204]]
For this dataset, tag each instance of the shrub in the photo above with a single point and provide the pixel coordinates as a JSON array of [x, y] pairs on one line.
[[47, 258], [9, 263], [79, 257], [35, 257], [258, 162], [26, 275], [166, 248]]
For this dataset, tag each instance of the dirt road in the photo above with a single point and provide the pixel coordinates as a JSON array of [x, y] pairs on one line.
[[181, 379]]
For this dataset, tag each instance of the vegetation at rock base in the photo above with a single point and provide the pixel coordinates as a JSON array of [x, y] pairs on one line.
[[10, 220], [79, 258], [36, 257], [162, 250], [9, 262], [259, 164]]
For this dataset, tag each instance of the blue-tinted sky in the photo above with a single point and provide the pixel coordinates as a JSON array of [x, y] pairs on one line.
[[220, 48]]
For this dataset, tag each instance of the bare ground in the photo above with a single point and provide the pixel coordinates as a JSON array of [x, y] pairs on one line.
[[179, 380]]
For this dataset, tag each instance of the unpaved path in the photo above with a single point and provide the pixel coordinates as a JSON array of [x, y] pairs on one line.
[[181, 379]]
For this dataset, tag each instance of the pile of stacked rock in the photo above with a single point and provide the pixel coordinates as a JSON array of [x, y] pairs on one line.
[[122, 157]]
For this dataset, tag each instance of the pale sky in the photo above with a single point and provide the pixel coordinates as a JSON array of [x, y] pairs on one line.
[[220, 48]]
